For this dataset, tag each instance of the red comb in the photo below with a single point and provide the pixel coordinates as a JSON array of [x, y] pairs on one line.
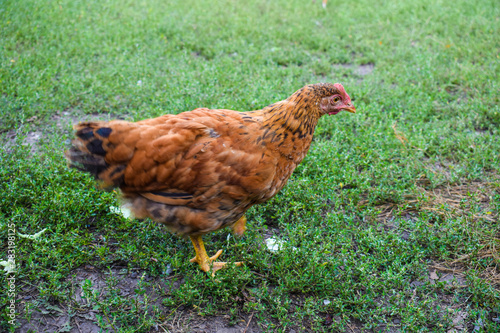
[[340, 88]]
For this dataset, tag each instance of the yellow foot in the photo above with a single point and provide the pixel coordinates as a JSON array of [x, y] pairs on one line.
[[203, 260], [205, 265]]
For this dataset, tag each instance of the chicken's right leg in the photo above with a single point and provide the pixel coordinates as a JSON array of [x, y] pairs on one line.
[[202, 258]]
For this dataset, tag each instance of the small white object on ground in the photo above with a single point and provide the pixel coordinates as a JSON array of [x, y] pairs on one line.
[[32, 237], [9, 266], [122, 210], [275, 245]]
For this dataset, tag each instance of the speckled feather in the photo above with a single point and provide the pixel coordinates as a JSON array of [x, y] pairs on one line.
[[200, 170]]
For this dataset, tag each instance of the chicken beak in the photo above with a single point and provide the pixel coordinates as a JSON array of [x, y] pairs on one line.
[[350, 108]]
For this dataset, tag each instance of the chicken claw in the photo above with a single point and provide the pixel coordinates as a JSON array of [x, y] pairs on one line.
[[202, 258]]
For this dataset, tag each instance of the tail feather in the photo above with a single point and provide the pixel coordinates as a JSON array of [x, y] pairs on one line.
[[88, 153]]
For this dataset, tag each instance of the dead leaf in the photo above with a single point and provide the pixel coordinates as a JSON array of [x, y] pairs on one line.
[[399, 135]]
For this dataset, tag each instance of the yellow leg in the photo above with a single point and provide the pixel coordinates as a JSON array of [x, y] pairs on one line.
[[202, 258], [239, 227]]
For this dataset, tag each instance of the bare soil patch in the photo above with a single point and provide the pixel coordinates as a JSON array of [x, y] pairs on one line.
[[80, 315]]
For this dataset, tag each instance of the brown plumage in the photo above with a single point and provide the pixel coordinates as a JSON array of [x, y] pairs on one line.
[[200, 170]]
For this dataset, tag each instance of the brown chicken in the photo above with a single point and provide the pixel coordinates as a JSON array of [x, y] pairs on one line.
[[200, 170]]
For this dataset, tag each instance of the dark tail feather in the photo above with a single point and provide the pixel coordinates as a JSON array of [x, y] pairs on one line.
[[86, 162], [88, 152]]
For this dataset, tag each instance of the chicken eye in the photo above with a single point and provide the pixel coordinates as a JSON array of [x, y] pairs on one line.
[[336, 99]]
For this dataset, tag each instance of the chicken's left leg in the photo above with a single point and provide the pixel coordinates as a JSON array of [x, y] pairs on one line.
[[202, 258], [240, 226]]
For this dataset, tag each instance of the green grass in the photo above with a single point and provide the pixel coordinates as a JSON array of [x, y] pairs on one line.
[[367, 219]]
